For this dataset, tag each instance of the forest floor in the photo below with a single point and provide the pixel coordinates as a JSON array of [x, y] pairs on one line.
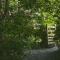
[[43, 54]]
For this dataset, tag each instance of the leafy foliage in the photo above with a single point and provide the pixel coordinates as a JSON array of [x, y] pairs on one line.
[[17, 19]]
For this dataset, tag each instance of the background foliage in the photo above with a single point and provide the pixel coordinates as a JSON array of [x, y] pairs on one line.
[[17, 19]]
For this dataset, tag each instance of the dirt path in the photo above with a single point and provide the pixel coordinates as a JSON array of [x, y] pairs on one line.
[[43, 54]]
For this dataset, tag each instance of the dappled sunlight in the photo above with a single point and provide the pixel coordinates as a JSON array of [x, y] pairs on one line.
[[30, 26]]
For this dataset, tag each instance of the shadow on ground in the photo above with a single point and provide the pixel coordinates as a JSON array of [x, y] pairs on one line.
[[43, 54]]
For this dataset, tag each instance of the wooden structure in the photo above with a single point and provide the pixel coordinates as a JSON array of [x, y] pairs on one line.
[[51, 33]]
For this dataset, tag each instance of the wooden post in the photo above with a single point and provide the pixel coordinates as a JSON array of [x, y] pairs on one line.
[[47, 35]]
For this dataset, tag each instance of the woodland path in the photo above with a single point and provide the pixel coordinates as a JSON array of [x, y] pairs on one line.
[[43, 54]]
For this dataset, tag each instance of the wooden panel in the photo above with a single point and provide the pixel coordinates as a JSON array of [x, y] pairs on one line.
[[51, 33]]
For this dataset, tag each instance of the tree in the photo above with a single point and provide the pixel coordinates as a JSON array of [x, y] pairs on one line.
[[17, 24]]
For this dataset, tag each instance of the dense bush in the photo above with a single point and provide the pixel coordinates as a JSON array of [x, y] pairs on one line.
[[17, 19]]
